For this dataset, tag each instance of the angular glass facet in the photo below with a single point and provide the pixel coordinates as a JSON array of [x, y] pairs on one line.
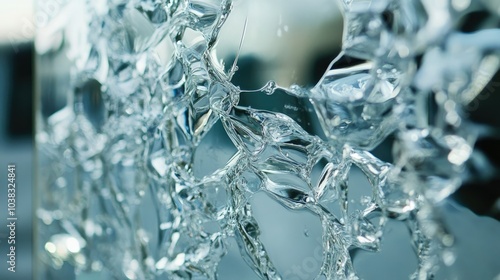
[[154, 163]]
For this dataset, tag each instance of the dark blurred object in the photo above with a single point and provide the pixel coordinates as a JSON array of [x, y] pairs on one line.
[[483, 196], [16, 147], [19, 95]]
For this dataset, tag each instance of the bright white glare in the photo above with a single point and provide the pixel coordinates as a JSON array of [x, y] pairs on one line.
[[17, 22]]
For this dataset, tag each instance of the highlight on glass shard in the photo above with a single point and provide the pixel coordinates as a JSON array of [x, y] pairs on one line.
[[189, 139]]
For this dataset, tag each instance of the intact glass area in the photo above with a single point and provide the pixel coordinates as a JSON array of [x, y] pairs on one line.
[[219, 139]]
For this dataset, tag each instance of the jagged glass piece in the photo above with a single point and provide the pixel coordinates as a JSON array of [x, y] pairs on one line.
[[151, 156], [364, 29], [359, 105]]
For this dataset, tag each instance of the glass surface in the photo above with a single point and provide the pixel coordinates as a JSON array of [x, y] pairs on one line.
[[262, 139]]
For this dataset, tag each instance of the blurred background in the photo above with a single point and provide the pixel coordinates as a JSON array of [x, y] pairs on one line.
[[16, 128], [290, 53]]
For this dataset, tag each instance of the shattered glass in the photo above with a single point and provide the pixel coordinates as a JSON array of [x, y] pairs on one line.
[[153, 164]]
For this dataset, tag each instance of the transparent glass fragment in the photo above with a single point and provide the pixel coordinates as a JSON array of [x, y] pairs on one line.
[[157, 160]]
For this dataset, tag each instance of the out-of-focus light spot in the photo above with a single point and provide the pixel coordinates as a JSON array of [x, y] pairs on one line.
[[73, 245], [131, 271], [460, 149], [50, 247], [460, 5]]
